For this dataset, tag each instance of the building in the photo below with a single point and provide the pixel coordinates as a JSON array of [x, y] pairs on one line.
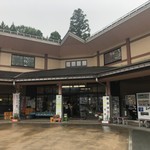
[[113, 62]]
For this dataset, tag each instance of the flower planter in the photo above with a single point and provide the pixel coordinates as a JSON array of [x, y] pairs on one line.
[[14, 120]]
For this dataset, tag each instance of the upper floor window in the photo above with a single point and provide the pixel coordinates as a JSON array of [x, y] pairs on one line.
[[84, 63], [24, 61], [112, 56], [77, 63]]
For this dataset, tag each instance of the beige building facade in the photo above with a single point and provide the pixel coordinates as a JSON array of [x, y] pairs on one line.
[[105, 63]]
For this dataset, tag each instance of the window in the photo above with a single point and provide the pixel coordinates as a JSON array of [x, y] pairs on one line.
[[6, 99], [68, 64], [73, 64], [25, 61], [84, 63], [112, 56], [78, 63]]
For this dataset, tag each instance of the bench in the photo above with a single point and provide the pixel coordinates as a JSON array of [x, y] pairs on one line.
[[120, 120], [144, 123], [41, 114]]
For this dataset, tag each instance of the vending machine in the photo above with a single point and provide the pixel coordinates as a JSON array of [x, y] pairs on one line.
[[143, 105]]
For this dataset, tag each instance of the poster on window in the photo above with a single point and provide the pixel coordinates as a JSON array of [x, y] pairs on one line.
[[115, 106], [130, 100], [23, 104], [16, 104], [59, 105]]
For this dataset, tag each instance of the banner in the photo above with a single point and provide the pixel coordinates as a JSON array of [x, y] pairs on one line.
[[106, 109], [59, 105], [16, 104]]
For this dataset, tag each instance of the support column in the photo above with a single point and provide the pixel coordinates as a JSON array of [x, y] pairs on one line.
[[128, 51], [98, 60], [18, 88], [46, 62], [108, 91], [59, 89]]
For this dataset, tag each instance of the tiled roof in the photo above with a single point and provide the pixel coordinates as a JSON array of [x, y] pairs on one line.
[[8, 74], [125, 69], [71, 73], [54, 73], [66, 72]]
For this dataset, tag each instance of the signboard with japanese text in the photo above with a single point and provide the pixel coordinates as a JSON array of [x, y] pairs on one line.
[[59, 105], [16, 104], [106, 109]]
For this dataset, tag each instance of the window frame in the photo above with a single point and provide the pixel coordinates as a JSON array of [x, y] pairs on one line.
[[85, 63], [79, 62], [23, 57], [76, 63], [111, 58], [73, 63]]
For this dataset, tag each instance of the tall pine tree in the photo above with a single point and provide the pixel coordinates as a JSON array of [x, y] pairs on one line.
[[79, 25]]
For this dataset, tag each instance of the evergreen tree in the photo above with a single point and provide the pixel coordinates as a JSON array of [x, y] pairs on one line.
[[79, 24], [55, 36], [29, 30], [2, 26], [13, 27], [22, 29]]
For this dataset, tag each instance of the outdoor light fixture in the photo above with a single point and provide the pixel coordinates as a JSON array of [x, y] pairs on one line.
[[67, 86], [79, 86], [13, 82], [72, 86], [96, 79]]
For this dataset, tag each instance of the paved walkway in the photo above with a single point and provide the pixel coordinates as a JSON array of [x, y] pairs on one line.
[[133, 126], [47, 121], [62, 137], [40, 134]]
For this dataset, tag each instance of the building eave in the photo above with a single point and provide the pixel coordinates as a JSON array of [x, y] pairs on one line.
[[121, 20], [56, 78], [125, 69], [69, 34], [6, 80]]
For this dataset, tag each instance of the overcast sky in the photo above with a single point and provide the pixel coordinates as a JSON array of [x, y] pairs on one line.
[[54, 15]]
